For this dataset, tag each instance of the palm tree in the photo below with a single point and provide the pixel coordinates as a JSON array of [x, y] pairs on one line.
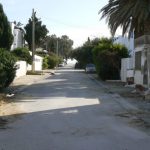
[[130, 15]]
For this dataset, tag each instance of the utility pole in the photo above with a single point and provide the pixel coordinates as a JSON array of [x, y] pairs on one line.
[[57, 48], [33, 40]]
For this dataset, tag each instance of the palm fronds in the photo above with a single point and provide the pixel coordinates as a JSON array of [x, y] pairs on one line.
[[131, 15]]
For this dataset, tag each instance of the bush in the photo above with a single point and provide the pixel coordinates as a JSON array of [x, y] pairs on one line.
[[45, 63], [83, 55], [22, 54], [107, 58], [7, 68], [51, 61]]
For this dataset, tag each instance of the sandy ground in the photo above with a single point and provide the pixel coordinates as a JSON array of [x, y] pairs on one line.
[[10, 109], [138, 118]]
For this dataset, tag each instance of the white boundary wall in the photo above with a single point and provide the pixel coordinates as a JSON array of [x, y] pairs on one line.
[[21, 68], [38, 64], [126, 69]]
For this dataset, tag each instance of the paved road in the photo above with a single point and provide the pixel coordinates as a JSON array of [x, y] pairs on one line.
[[70, 111]]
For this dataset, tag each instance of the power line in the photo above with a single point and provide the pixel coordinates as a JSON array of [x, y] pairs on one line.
[[63, 23]]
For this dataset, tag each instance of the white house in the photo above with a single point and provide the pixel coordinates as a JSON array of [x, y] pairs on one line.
[[18, 34], [127, 64], [142, 61], [138, 65], [19, 41], [127, 70], [127, 42]]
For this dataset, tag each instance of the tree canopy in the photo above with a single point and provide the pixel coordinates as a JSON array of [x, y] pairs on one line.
[[66, 46], [6, 37], [131, 15], [59, 45], [104, 54], [84, 54], [40, 32], [107, 58]]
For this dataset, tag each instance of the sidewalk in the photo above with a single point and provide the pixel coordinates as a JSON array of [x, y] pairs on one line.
[[22, 82], [7, 106], [140, 118]]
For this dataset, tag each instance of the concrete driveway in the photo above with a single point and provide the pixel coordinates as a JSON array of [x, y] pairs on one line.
[[70, 111]]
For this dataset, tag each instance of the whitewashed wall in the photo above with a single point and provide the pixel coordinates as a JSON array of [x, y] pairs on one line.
[[128, 43], [18, 35], [38, 64], [130, 73], [22, 68], [126, 69], [139, 74], [138, 77]]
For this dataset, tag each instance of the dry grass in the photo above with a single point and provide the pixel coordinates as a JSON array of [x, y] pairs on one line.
[[2, 99]]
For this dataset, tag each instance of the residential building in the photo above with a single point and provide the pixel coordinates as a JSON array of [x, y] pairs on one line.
[[18, 34], [142, 62], [127, 64], [127, 42]]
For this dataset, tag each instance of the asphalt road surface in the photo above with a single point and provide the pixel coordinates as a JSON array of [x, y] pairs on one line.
[[71, 111]]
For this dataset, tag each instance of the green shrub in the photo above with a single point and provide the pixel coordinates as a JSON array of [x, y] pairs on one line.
[[51, 61], [22, 54], [7, 68], [83, 55], [45, 63], [107, 58], [60, 59]]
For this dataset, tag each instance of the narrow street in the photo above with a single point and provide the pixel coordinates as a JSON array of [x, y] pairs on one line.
[[71, 111]]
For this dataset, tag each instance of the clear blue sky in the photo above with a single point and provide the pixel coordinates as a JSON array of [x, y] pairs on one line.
[[78, 19]]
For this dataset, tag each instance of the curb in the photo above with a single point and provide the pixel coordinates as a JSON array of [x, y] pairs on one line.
[[115, 96]]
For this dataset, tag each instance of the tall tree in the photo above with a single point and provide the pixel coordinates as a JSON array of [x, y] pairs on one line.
[[51, 43], [66, 46], [131, 15], [6, 37], [40, 32], [59, 45]]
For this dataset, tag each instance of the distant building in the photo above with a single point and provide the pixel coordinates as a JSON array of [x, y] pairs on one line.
[[18, 34]]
